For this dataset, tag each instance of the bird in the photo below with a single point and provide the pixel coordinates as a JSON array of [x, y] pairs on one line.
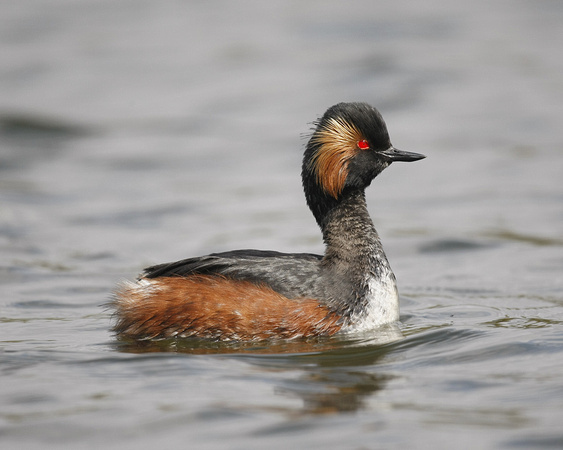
[[255, 295]]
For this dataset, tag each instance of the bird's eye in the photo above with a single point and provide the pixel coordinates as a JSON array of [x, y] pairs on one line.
[[363, 144]]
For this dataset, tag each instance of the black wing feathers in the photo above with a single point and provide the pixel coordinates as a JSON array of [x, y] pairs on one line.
[[291, 274]]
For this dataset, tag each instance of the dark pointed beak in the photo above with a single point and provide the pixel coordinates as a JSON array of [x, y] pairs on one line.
[[394, 154]]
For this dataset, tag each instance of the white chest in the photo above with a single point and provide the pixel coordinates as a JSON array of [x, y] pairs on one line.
[[382, 305]]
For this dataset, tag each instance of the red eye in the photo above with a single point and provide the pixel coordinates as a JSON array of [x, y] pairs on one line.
[[363, 144]]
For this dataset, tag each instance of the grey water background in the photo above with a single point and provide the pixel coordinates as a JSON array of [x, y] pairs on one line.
[[138, 132]]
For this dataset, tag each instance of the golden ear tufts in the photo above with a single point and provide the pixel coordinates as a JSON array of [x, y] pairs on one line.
[[337, 143]]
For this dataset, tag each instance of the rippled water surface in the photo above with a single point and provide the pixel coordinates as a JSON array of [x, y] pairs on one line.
[[139, 132]]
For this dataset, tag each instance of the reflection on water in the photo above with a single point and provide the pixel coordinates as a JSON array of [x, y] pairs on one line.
[[330, 348], [326, 385], [330, 392]]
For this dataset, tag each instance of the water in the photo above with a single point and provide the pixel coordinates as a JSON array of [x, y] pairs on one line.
[[139, 132]]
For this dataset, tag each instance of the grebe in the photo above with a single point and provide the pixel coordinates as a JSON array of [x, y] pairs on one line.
[[255, 295]]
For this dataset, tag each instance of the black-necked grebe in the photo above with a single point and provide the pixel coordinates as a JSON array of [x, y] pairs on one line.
[[253, 294]]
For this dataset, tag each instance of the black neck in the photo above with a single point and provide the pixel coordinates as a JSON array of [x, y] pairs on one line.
[[353, 251], [348, 231]]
